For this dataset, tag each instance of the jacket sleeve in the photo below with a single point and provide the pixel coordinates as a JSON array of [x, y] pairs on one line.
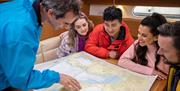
[[64, 49], [18, 57], [126, 61], [92, 45]]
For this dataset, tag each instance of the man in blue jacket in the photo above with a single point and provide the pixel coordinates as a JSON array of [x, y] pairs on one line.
[[20, 29]]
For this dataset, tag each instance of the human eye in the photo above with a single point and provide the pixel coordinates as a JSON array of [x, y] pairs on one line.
[[78, 27], [84, 24], [144, 35], [139, 33], [114, 25], [107, 25]]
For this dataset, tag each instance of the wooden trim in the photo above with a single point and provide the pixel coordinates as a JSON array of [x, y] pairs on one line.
[[172, 3]]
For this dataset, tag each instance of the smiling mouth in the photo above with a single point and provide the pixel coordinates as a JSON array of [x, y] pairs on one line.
[[111, 32], [140, 41], [83, 31]]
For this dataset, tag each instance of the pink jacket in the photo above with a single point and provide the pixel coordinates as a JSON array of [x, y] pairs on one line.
[[125, 61]]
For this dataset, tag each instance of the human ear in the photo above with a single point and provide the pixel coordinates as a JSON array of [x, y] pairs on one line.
[[50, 13], [156, 38]]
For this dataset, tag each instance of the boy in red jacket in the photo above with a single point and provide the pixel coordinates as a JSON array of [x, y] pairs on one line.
[[111, 38]]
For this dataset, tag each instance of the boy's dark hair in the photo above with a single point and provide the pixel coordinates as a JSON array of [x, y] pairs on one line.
[[171, 30], [112, 13], [61, 7]]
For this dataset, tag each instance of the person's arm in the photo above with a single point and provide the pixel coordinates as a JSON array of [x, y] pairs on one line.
[[18, 54], [64, 49], [126, 61], [162, 66], [93, 47]]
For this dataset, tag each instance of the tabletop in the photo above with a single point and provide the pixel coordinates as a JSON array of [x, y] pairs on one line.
[[158, 85]]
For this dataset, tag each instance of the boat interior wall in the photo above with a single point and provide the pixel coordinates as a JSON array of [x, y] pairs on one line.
[[49, 32], [172, 3], [127, 9], [47, 49]]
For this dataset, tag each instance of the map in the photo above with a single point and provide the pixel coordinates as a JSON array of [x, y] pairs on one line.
[[95, 74]]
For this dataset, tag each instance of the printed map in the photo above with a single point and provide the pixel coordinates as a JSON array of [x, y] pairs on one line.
[[94, 74]]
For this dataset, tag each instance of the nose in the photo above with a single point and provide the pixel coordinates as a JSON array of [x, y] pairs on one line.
[[82, 28], [110, 30], [140, 37]]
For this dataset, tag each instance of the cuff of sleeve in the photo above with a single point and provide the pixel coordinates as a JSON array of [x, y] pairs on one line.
[[57, 77]]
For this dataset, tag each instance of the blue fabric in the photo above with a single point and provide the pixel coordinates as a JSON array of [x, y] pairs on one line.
[[19, 41], [175, 79]]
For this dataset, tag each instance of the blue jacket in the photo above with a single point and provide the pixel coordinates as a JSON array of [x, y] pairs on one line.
[[19, 41]]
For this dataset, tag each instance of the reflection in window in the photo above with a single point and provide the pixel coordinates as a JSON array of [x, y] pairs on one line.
[[170, 12]]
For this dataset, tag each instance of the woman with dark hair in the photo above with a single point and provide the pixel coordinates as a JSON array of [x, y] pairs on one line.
[[142, 55], [74, 39]]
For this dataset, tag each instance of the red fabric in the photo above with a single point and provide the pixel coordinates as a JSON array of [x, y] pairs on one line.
[[99, 43]]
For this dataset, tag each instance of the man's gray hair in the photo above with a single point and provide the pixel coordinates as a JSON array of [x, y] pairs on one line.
[[171, 30], [61, 7]]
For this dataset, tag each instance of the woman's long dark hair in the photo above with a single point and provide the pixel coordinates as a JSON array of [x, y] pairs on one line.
[[152, 22]]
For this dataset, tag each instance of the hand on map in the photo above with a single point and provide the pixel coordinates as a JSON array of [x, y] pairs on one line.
[[70, 83], [113, 54], [161, 76]]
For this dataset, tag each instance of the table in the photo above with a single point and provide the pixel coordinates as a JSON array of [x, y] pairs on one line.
[[159, 85]]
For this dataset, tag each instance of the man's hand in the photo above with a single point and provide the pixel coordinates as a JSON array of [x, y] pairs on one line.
[[161, 76], [70, 83]]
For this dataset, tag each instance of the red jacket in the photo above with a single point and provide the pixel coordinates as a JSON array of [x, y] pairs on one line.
[[99, 43]]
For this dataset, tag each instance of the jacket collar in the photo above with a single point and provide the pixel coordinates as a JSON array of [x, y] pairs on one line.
[[122, 33]]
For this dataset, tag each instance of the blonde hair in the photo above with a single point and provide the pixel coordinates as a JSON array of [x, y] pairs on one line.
[[72, 32]]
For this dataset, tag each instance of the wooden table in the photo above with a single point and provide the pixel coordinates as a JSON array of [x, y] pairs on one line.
[[158, 85]]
